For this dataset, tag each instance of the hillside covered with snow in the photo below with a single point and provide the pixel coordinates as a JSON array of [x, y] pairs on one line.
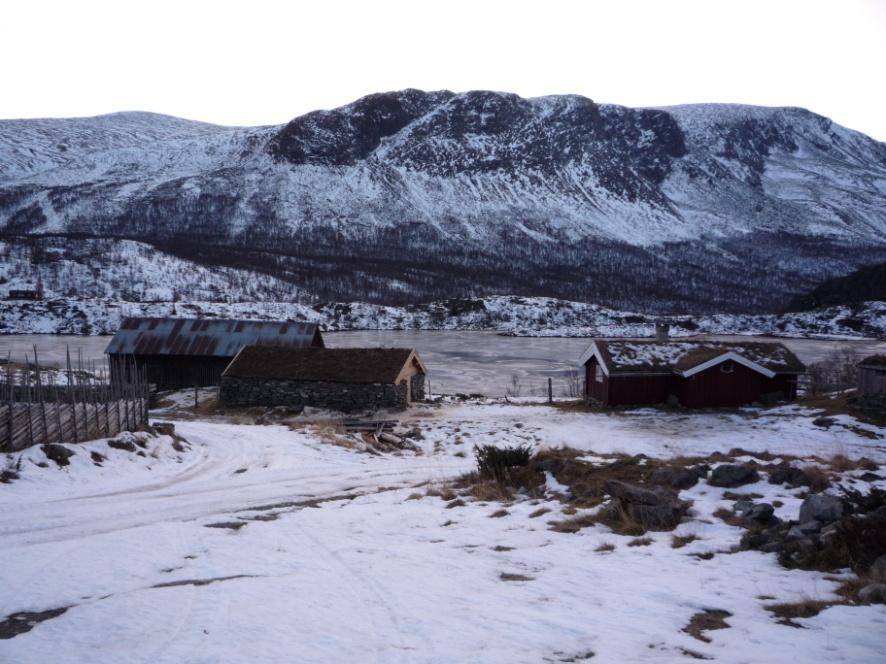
[[411, 196]]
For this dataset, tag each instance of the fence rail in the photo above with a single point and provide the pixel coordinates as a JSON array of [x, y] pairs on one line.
[[35, 407]]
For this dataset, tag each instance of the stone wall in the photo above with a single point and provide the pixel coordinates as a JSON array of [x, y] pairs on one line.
[[336, 396]]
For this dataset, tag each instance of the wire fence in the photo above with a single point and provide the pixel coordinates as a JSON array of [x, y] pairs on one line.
[[48, 405]]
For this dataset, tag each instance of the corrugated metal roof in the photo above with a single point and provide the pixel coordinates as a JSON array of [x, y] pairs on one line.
[[207, 337]]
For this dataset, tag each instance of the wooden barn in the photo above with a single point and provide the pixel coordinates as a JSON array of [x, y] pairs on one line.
[[872, 377], [343, 379], [183, 352], [695, 374]]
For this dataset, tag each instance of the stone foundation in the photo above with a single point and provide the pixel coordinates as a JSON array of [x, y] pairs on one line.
[[345, 397]]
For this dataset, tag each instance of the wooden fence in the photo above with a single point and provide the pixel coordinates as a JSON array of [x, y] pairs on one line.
[[36, 407]]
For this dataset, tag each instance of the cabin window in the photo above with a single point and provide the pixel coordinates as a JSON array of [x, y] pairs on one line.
[[598, 373], [727, 367]]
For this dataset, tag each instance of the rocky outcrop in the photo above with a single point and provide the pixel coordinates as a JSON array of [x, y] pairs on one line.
[[732, 475], [653, 509]]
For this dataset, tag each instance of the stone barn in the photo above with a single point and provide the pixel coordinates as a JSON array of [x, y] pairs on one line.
[[188, 352], [694, 374], [344, 379]]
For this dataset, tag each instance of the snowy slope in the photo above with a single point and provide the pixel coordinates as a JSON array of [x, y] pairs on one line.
[[262, 543]]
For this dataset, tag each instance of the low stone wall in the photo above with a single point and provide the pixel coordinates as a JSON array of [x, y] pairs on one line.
[[336, 396]]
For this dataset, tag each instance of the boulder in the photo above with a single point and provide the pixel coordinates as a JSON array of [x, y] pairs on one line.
[[821, 507], [656, 509], [785, 473], [761, 513], [810, 526], [878, 569], [678, 478], [873, 593], [732, 475], [58, 453]]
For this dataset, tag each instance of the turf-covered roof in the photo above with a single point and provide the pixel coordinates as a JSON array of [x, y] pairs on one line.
[[335, 365], [634, 356]]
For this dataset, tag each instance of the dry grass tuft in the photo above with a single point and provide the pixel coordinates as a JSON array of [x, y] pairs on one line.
[[458, 502], [806, 608], [500, 548], [540, 511], [414, 496], [499, 514], [641, 541], [605, 547], [679, 541], [506, 576], [705, 621], [573, 525], [728, 516], [819, 480]]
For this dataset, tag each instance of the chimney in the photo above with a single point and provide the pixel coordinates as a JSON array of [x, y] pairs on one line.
[[661, 331]]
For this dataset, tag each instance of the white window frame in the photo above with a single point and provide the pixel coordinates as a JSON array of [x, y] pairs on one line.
[[598, 372]]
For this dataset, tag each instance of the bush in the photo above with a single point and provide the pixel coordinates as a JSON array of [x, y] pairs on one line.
[[495, 462]]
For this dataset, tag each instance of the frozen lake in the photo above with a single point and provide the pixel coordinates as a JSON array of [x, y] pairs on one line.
[[457, 361]]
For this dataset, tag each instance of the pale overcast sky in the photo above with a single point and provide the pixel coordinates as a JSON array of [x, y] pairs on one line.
[[258, 62]]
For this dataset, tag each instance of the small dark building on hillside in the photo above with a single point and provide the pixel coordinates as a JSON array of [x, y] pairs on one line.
[[695, 374], [872, 378], [344, 379], [184, 352]]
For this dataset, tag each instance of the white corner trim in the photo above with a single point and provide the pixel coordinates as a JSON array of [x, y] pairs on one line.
[[412, 356], [593, 351], [725, 357]]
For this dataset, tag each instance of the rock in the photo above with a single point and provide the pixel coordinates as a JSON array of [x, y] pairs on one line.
[[125, 445], [795, 533], [553, 465], [732, 475], [656, 509], [762, 513], [811, 526], [58, 453], [742, 506], [678, 478], [873, 593], [824, 421], [785, 473], [878, 569], [701, 470], [821, 507]]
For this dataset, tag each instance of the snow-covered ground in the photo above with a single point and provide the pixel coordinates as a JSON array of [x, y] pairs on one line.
[[512, 315], [342, 556]]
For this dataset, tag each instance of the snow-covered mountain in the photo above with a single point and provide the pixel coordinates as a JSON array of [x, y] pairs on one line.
[[413, 195]]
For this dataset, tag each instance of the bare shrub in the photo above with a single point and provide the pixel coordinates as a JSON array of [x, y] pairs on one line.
[[496, 462], [516, 387], [574, 385], [836, 372]]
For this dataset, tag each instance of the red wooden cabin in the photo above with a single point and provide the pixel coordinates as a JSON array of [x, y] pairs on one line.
[[695, 374]]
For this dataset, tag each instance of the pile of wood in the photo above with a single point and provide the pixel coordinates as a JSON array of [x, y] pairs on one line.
[[379, 434]]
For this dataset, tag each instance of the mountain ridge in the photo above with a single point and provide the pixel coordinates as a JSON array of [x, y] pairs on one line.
[[400, 192]]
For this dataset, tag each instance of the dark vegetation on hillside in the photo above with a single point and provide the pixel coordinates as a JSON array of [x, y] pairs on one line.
[[864, 285]]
